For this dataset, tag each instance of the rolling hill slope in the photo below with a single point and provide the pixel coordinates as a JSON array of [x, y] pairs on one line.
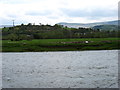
[[111, 25]]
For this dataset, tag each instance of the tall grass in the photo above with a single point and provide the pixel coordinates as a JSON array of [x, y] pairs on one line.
[[60, 45]]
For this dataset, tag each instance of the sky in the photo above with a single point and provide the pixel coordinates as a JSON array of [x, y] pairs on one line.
[[55, 11]]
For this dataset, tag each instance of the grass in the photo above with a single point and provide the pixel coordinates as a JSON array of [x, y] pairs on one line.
[[60, 45]]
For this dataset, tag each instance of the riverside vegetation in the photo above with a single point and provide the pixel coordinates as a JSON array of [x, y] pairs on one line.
[[25, 38]]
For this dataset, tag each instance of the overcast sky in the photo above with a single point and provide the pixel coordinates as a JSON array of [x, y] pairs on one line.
[[55, 11]]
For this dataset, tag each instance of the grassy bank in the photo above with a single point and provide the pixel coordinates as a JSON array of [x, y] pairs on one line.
[[60, 45]]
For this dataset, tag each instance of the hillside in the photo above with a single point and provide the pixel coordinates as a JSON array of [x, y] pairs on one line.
[[29, 32], [106, 27], [89, 25]]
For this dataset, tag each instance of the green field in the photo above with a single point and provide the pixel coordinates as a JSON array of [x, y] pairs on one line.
[[39, 45]]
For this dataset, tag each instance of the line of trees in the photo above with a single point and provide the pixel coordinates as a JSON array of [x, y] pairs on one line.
[[29, 32]]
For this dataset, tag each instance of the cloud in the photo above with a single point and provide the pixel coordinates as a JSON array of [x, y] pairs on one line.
[[94, 12], [38, 13], [19, 1], [6, 21], [54, 11]]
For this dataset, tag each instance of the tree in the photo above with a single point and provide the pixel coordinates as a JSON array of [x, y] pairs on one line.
[[29, 24], [13, 37]]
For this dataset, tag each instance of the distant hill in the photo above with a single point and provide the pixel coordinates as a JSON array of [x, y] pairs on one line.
[[89, 25], [106, 27], [2, 26]]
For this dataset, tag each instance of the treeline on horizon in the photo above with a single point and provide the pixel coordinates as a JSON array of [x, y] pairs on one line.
[[29, 32]]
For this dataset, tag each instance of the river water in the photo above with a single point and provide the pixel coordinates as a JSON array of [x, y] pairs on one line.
[[70, 69]]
